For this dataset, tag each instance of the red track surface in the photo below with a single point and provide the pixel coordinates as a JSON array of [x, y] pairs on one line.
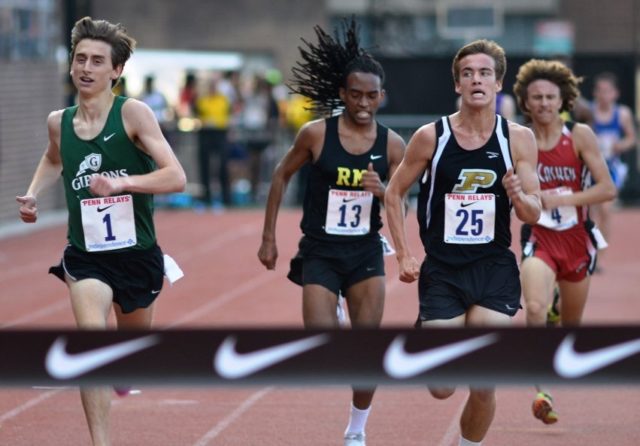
[[225, 286]]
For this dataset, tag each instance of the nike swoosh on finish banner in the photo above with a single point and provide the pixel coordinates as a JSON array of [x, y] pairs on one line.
[[63, 365], [230, 364], [572, 364], [398, 363]]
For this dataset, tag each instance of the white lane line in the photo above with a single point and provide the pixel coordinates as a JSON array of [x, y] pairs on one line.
[[232, 417], [452, 433], [43, 312], [225, 297], [28, 405]]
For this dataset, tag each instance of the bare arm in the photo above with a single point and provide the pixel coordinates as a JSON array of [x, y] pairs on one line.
[[586, 145], [415, 161], [521, 184], [143, 129], [300, 152], [628, 140], [47, 172]]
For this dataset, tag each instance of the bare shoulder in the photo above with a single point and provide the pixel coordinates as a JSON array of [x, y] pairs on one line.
[[311, 132], [315, 127], [625, 112], [135, 108], [522, 143], [520, 132], [580, 130], [426, 134], [582, 136], [395, 140], [55, 119], [54, 126]]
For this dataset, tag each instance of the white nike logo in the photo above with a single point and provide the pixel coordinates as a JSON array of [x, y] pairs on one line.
[[572, 364], [375, 157], [398, 363], [232, 365], [62, 365], [107, 138]]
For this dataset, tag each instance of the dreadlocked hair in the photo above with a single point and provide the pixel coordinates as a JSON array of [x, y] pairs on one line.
[[326, 65]]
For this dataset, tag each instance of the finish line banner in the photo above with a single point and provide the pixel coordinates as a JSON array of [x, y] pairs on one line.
[[591, 355]]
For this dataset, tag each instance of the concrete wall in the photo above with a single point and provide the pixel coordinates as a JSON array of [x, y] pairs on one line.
[[246, 25], [29, 91]]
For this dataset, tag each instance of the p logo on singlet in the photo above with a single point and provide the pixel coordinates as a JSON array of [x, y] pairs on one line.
[[472, 179]]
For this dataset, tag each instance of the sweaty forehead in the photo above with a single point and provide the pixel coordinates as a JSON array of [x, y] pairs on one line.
[[477, 61], [92, 47], [543, 86], [363, 81]]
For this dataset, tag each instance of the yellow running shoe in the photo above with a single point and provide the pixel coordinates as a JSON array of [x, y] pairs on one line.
[[553, 312], [543, 408]]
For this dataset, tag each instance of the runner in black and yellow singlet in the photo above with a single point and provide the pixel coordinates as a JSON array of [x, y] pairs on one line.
[[350, 157]]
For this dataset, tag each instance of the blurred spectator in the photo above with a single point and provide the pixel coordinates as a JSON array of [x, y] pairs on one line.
[[157, 102], [614, 126], [120, 88], [298, 113], [187, 98], [582, 108], [214, 111], [260, 116]]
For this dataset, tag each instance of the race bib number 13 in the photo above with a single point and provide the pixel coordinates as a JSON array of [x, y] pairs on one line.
[[108, 223], [348, 212]]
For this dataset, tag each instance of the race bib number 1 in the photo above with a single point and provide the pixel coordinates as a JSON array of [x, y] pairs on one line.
[[469, 218], [348, 212], [108, 223]]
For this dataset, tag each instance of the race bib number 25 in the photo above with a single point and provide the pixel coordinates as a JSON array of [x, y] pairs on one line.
[[108, 223], [469, 218]]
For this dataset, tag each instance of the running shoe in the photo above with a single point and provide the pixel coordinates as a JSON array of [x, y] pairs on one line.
[[543, 408], [122, 391], [553, 312], [352, 439]]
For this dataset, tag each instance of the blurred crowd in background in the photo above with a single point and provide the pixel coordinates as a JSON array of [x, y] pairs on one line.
[[228, 128], [216, 75]]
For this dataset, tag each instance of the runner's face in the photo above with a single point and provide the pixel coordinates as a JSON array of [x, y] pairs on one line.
[[91, 68], [362, 96], [477, 84], [605, 92], [543, 101]]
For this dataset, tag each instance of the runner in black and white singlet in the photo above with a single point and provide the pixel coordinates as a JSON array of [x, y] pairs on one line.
[[473, 168], [350, 156]]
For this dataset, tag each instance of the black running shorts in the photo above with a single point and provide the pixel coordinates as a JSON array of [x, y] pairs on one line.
[[446, 292], [336, 266], [135, 277]]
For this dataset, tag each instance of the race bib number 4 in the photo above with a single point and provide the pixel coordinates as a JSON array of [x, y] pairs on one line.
[[560, 218], [108, 223], [348, 212], [469, 218]]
